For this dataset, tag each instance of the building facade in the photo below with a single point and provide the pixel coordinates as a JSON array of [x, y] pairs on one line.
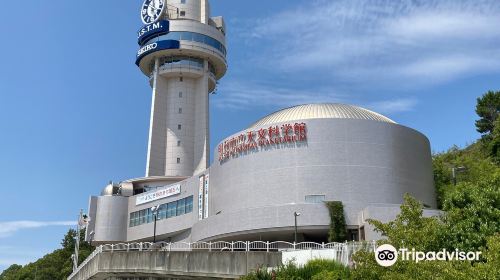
[[291, 161]]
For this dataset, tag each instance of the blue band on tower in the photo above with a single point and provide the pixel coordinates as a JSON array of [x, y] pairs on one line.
[[149, 31], [156, 46]]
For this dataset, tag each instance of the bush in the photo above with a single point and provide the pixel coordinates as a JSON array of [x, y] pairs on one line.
[[337, 232], [315, 269]]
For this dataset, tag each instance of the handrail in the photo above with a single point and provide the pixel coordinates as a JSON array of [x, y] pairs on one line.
[[344, 251]]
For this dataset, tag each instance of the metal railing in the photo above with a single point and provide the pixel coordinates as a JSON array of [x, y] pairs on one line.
[[343, 251]]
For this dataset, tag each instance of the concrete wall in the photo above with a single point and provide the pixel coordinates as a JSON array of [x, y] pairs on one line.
[[164, 134], [174, 229], [358, 162], [253, 196], [112, 217], [189, 265]]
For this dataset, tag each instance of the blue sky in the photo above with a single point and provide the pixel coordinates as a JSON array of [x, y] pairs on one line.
[[74, 109]]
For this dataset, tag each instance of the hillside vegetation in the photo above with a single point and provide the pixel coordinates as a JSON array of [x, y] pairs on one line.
[[54, 266]]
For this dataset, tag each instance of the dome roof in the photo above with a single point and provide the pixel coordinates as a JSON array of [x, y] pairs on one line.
[[321, 111]]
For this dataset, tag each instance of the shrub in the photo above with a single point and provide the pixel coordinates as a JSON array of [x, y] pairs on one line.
[[337, 232]]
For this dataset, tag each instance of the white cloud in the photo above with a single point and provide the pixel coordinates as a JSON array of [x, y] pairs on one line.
[[9, 228], [394, 106], [240, 96], [244, 96], [382, 41]]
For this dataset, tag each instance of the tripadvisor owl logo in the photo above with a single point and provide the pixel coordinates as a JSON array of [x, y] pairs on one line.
[[386, 255]]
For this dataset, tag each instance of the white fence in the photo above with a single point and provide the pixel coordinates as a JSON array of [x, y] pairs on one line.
[[340, 252]]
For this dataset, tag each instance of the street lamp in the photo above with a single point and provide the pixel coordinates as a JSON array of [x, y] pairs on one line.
[[456, 170], [295, 215], [155, 209]]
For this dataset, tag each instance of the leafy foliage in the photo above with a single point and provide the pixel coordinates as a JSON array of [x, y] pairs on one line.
[[54, 266], [410, 223], [410, 229], [472, 214], [475, 158], [494, 144], [338, 231], [313, 270]]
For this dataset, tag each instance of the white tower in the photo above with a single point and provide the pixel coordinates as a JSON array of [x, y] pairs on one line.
[[183, 52]]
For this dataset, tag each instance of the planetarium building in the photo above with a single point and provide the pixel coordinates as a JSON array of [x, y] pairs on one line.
[[289, 162]]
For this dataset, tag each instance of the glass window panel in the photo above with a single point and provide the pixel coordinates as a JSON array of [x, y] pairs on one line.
[[315, 198], [143, 217], [197, 37], [149, 216], [162, 212], [173, 36], [171, 209], [181, 207], [189, 204]]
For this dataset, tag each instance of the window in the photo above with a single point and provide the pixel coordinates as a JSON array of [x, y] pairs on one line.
[[180, 94], [189, 204], [179, 127], [143, 217], [178, 160], [180, 110], [181, 207], [315, 198], [183, 1], [191, 36], [181, 79], [162, 212], [178, 143], [183, 13], [167, 210], [149, 215], [172, 209]]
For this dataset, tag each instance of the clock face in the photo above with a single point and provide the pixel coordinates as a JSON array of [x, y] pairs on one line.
[[151, 10]]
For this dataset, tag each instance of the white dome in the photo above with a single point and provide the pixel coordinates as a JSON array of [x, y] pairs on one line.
[[321, 111]]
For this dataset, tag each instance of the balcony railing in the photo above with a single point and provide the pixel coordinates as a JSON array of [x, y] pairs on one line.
[[343, 251]]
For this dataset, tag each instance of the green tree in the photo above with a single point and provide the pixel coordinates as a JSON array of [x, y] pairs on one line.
[[487, 108], [411, 229], [494, 145]]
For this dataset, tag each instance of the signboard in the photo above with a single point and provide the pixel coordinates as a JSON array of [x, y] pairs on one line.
[[158, 194], [200, 197], [149, 31], [205, 215], [264, 137], [154, 47]]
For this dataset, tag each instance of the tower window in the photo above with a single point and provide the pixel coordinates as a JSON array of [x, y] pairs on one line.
[[180, 110], [178, 143], [178, 160], [183, 13], [180, 94], [181, 79], [179, 127]]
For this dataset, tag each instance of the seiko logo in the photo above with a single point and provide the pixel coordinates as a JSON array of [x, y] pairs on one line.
[[149, 28], [147, 48]]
